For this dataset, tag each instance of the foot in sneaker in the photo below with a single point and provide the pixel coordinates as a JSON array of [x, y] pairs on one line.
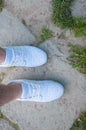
[[27, 56], [40, 91]]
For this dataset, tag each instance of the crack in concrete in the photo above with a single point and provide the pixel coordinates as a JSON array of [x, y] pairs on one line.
[[12, 124]]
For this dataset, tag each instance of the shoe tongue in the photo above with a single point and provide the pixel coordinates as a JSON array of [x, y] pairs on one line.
[[9, 56], [14, 56], [26, 91]]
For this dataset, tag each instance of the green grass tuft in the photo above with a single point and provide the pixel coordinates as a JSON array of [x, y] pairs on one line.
[[1, 5], [78, 58], [45, 34], [61, 13], [80, 27], [62, 17], [80, 123]]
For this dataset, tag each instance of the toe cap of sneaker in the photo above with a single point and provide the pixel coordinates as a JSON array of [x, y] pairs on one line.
[[54, 91], [37, 57]]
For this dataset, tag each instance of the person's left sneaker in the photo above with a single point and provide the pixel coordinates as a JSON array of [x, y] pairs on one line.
[[40, 91], [26, 56]]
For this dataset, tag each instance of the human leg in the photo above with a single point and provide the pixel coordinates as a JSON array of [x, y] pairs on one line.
[[2, 55], [9, 92], [31, 90]]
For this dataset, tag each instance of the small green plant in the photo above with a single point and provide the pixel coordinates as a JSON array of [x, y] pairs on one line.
[[61, 13], [80, 123], [1, 5], [45, 34], [80, 27], [78, 58], [62, 16]]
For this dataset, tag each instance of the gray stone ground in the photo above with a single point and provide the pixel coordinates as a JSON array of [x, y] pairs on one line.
[[5, 124], [12, 31], [59, 114], [79, 8]]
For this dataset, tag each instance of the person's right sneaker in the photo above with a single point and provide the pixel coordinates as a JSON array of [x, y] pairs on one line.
[[40, 91], [26, 56]]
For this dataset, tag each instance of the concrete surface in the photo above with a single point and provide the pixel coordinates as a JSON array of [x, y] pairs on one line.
[[79, 8], [12, 31], [35, 13], [59, 114], [4, 125]]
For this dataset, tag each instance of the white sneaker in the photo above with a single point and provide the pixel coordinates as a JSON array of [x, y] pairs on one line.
[[27, 56], [40, 91]]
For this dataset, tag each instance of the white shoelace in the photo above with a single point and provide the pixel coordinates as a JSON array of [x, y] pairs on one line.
[[17, 57], [34, 90]]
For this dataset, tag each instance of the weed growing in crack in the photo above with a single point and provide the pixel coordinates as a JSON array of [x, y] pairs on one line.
[[1, 5], [45, 34], [80, 122], [62, 16], [78, 58]]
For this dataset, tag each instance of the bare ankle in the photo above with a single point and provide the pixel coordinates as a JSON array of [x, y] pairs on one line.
[[9, 93], [2, 55], [17, 87]]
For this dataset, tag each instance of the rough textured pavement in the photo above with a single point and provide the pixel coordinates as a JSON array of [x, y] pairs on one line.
[[12, 31], [59, 114]]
